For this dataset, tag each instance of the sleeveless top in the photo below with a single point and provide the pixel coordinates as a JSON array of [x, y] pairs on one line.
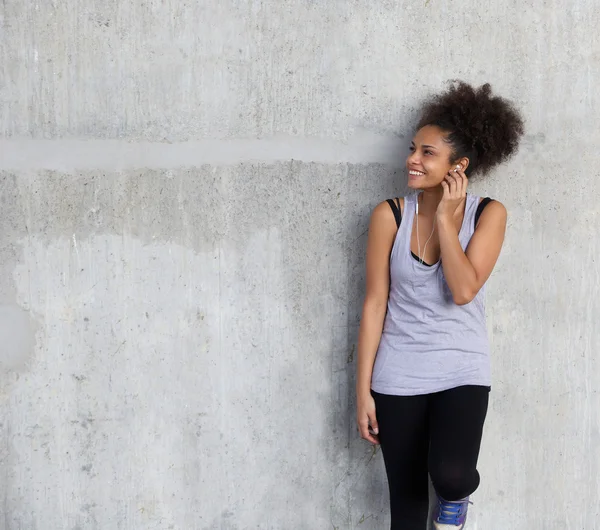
[[429, 343]]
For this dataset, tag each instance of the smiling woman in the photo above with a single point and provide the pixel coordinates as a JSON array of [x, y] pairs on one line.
[[423, 369]]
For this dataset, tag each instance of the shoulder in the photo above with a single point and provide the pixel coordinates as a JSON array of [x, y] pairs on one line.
[[494, 213], [383, 211], [383, 219]]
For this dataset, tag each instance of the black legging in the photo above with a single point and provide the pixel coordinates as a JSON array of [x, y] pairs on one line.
[[437, 433]]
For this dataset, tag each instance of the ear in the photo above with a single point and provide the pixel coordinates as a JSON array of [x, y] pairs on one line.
[[463, 163]]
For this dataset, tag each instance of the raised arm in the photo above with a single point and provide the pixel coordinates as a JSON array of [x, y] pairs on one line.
[[466, 272]]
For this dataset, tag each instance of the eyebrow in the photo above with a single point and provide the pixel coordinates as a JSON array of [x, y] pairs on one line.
[[426, 146]]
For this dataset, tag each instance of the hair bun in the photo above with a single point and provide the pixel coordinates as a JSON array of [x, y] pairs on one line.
[[480, 124]]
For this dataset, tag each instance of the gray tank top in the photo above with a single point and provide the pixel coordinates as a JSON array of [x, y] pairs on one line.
[[429, 343]]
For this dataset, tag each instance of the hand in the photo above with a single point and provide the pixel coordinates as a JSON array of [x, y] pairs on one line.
[[366, 418], [455, 192]]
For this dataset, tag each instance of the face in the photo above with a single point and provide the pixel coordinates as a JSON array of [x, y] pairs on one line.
[[430, 159]]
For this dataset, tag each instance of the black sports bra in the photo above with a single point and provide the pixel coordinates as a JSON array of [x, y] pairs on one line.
[[395, 206]]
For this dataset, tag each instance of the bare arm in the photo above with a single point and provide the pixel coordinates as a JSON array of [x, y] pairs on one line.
[[466, 272], [382, 231]]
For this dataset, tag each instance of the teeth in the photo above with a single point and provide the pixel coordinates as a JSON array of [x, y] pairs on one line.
[[418, 173]]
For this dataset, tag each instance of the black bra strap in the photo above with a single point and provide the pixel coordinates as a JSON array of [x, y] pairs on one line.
[[395, 206], [480, 208]]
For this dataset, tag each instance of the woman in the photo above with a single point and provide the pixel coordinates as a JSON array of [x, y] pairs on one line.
[[423, 370]]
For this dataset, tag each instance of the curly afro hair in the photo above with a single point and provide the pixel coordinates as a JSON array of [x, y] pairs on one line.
[[484, 128]]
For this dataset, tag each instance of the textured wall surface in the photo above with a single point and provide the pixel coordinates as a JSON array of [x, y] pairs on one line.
[[185, 189]]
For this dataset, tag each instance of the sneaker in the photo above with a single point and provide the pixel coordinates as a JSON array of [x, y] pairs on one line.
[[450, 515]]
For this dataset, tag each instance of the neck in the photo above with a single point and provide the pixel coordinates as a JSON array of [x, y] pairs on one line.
[[430, 199]]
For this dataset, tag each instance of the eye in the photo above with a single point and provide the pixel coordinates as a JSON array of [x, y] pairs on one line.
[[428, 152], [411, 148]]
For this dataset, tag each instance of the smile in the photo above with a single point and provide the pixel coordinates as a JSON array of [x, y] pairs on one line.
[[416, 173]]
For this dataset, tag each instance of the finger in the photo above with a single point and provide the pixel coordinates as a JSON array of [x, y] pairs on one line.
[[446, 187], [452, 185], [366, 434], [363, 428], [462, 182], [373, 423], [373, 439], [457, 185]]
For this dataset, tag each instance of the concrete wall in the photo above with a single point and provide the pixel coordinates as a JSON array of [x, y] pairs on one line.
[[184, 197]]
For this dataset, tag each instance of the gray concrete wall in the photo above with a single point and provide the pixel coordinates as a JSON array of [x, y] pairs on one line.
[[185, 189]]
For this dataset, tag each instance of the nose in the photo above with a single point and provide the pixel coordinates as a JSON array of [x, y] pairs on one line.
[[413, 159]]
